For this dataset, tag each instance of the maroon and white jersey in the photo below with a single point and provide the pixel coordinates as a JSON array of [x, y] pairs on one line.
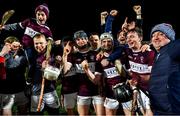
[[69, 80], [31, 28], [140, 64], [112, 78], [86, 86]]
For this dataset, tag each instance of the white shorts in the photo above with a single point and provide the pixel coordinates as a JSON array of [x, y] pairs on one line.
[[6, 101], [127, 105], [111, 103], [82, 100], [51, 99], [145, 102], [70, 100], [97, 100]]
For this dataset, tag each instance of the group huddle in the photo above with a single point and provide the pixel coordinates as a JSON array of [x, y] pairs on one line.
[[105, 71]]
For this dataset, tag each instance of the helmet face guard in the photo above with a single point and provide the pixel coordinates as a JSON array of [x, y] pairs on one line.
[[104, 36], [122, 92]]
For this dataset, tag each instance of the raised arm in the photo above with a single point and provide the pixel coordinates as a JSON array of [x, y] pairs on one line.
[[139, 20], [66, 65], [110, 19], [103, 15]]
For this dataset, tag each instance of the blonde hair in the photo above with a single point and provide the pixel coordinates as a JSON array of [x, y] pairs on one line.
[[11, 39]]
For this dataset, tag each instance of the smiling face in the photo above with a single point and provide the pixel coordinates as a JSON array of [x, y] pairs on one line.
[[41, 17], [159, 40], [13, 43], [107, 44], [40, 43], [133, 40], [81, 43], [15, 46], [121, 37], [94, 41]]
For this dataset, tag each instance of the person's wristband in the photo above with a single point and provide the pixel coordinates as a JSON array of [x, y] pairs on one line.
[[138, 16], [135, 89], [28, 83]]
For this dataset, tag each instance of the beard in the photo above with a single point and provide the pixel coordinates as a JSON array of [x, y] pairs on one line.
[[106, 49], [82, 47]]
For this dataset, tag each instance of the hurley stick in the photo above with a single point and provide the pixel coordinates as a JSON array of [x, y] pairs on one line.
[[6, 16], [43, 79]]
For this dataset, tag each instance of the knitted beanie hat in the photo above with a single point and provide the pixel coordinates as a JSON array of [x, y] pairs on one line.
[[166, 29], [44, 8]]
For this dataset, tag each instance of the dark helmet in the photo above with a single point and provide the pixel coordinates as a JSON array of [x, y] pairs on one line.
[[122, 92], [80, 34]]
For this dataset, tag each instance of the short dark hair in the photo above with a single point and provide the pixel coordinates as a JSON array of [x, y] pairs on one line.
[[67, 38], [138, 30], [93, 33]]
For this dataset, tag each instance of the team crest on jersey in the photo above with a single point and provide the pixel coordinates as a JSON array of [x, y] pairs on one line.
[[92, 57], [42, 31], [142, 59], [78, 60]]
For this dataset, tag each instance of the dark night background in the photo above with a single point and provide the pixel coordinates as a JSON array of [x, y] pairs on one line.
[[68, 16]]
